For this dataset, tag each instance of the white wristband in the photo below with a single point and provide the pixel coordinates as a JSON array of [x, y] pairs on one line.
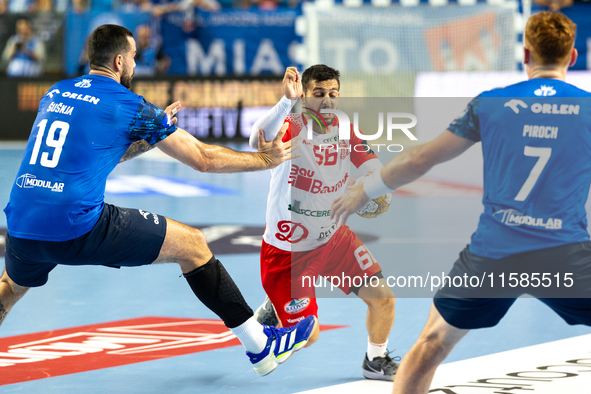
[[374, 186]]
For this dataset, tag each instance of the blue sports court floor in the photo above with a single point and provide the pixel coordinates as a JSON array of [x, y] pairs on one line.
[[514, 356]]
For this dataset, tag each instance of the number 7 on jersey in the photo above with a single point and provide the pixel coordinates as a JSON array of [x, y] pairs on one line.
[[544, 155]]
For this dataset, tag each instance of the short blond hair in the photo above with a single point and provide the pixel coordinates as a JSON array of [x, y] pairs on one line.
[[550, 37]]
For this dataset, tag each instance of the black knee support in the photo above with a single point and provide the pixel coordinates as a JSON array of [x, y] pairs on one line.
[[214, 287]]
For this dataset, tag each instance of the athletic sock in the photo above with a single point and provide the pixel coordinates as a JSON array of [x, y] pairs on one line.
[[214, 287], [376, 349], [251, 334]]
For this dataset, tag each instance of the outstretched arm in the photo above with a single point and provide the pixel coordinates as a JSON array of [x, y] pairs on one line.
[[404, 168], [212, 158], [271, 122]]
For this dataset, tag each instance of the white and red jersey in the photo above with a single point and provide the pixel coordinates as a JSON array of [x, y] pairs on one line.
[[303, 189]]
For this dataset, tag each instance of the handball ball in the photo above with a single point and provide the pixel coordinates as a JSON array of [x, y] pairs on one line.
[[375, 207]]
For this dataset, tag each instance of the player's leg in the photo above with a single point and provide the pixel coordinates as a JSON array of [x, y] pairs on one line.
[[10, 293], [434, 344], [380, 319], [361, 274], [214, 287], [276, 277]]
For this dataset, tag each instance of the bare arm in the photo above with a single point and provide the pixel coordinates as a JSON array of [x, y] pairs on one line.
[[404, 168], [212, 158], [413, 163]]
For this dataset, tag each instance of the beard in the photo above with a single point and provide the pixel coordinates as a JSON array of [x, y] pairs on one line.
[[126, 77]]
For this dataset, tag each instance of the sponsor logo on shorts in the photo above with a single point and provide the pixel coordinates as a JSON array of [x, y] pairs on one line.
[[511, 217], [297, 305], [147, 214], [299, 319], [29, 180]]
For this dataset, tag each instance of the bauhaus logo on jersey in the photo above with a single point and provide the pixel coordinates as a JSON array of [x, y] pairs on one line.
[[543, 108], [302, 179], [29, 180], [512, 217]]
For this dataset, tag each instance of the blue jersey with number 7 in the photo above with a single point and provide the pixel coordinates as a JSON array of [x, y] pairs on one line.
[[536, 145], [83, 128]]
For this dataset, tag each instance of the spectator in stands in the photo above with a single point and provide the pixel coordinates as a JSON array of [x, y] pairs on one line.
[[554, 5], [20, 6], [24, 52], [133, 6], [3, 6], [80, 6], [149, 60]]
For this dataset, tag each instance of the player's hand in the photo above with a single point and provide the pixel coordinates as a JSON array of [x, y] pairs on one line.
[[172, 110], [276, 152], [349, 203], [292, 83]]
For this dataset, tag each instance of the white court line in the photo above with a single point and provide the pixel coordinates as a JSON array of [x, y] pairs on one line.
[[555, 367]]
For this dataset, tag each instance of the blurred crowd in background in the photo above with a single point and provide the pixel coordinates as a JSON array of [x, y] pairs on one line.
[[156, 7]]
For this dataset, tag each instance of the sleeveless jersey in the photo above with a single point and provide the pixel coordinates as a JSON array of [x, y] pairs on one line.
[[536, 144], [303, 189], [83, 128]]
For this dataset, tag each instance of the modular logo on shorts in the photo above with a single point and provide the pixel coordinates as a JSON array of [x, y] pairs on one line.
[[29, 180], [512, 217], [297, 305]]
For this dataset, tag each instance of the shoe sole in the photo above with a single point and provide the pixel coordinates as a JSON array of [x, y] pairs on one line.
[[268, 365], [376, 376]]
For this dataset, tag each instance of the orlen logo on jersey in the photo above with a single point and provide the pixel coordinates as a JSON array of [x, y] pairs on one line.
[[546, 108], [511, 217], [28, 180], [297, 305], [300, 178]]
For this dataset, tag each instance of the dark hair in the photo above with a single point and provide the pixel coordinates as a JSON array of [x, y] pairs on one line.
[[106, 42], [319, 73]]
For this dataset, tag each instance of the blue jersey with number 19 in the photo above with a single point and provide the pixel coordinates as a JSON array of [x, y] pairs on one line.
[[83, 128], [536, 145]]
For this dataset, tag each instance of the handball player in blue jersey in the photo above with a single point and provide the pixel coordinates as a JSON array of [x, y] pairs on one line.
[[536, 144], [57, 215]]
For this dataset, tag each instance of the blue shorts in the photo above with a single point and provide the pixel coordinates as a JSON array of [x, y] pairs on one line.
[[469, 307], [121, 237]]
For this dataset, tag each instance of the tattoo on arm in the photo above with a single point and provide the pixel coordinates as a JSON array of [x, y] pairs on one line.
[[3, 313], [136, 149]]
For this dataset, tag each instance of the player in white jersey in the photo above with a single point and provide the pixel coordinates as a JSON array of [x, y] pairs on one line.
[[301, 241]]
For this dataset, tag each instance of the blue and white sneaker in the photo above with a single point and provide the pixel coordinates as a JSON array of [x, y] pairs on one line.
[[281, 343]]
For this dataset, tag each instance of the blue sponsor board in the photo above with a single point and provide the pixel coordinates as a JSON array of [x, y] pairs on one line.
[[230, 42], [149, 185]]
